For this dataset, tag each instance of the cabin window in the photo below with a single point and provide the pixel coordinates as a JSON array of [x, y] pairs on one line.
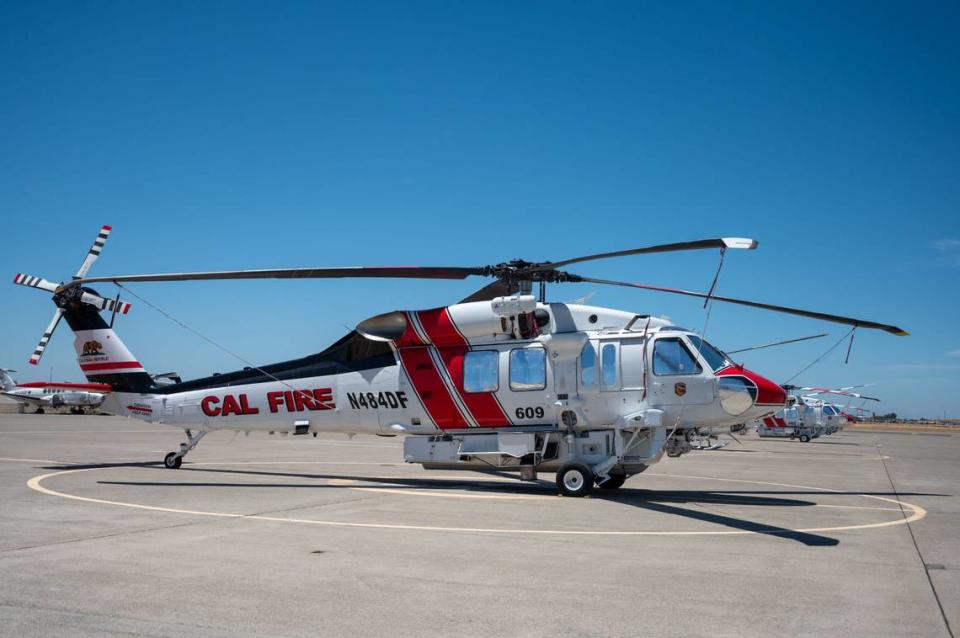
[[715, 358], [588, 366], [480, 371], [671, 357], [528, 369], [608, 363], [631, 364]]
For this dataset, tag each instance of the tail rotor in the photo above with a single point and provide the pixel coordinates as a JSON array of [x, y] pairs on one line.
[[62, 298]]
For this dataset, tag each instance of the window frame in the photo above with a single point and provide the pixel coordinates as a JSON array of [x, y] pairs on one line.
[[615, 386], [632, 343], [711, 350], [542, 387], [580, 369], [496, 369], [683, 344]]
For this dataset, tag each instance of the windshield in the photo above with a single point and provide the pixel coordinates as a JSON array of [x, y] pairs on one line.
[[715, 359]]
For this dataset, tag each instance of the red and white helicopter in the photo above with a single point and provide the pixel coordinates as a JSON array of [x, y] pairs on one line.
[[502, 380], [807, 416]]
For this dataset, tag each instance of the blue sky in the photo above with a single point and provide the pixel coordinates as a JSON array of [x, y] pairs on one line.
[[247, 135]]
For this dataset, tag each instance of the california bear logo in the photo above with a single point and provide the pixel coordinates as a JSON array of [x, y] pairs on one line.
[[91, 348], [680, 389]]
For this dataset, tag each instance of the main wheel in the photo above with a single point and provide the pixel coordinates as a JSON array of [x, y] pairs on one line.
[[804, 438], [39, 411], [575, 479], [173, 461], [614, 482]]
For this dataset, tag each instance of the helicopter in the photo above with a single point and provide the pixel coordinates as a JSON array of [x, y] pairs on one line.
[[500, 381], [807, 416]]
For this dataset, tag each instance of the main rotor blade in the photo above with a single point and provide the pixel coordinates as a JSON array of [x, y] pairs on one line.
[[34, 282], [844, 388], [839, 392], [94, 252], [850, 321], [403, 272], [778, 343], [45, 339], [723, 242]]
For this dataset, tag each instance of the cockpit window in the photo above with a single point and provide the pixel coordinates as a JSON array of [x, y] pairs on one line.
[[670, 356], [715, 358]]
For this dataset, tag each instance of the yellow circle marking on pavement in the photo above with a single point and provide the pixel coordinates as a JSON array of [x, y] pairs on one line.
[[918, 513]]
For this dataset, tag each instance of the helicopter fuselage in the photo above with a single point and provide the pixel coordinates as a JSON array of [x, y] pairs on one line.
[[510, 365]]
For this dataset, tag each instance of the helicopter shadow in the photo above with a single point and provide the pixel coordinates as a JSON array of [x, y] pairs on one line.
[[667, 502]]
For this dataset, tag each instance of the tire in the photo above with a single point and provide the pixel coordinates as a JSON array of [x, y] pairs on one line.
[[39, 411], [804, 438], [575, 479], [614, 482], [172, 461]]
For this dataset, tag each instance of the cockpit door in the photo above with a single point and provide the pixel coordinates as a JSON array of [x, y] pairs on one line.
[[677, 377]]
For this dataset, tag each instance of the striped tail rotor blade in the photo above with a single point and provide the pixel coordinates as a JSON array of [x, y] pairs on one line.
[[94, 251], [45, 339], [34, 282], [105, 304]]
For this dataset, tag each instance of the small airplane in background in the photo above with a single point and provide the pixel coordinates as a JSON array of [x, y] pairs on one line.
[[78, 397]]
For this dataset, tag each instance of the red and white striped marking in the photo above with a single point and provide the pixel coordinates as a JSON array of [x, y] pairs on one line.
[[432, 352], [108, 367]]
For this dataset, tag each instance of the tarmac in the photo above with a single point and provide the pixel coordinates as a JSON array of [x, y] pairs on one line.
[[855, 534]]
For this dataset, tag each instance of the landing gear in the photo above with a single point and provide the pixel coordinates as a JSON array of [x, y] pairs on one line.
[[575, 479], [174, 460], [39, 411], [613, 482]]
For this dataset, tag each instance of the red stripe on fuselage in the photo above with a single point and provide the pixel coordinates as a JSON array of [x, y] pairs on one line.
[[116, 365], [453, 347], [430, 388]]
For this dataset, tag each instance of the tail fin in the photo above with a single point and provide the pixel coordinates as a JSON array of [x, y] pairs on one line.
[[6, 381], [102, 355]]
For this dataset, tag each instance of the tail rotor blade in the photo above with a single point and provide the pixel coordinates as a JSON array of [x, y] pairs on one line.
[[105, 304], [45, 339], [95, 250], [34, 282]]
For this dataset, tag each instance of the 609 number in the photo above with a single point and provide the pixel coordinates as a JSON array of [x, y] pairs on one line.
[[529, 413]]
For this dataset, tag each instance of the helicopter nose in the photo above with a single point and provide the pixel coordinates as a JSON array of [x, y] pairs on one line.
[[741, 391]]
